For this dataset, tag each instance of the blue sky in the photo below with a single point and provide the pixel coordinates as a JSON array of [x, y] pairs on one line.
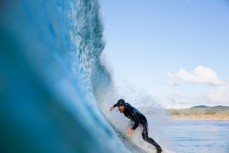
[[177, 51]]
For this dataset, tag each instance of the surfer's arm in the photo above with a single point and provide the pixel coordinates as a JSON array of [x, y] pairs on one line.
[[136, 120], [112, 107], [115, 105]]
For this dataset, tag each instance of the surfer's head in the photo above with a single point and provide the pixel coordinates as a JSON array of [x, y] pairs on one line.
[[121, 105]]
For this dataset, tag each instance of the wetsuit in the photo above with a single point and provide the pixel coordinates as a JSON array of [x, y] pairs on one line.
[[138, 118]]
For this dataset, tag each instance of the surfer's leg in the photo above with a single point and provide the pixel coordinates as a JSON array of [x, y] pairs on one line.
[[148, 139]]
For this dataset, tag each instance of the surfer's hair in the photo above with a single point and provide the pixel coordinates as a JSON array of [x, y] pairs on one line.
[[121, 102]]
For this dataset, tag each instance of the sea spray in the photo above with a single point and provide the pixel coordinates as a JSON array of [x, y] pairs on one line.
[[155, 114], [88, 36]]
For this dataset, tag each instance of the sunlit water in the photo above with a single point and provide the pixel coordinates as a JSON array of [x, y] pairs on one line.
[[200, 136]]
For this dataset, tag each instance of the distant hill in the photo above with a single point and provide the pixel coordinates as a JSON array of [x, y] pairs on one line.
[[221, 107], [201, 110], [216, 107], [200, 106]]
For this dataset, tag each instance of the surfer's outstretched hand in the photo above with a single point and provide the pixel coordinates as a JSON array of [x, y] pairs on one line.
[[111, 108], [130, 132]]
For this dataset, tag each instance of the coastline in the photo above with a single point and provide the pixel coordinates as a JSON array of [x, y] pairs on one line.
[[201, 117]]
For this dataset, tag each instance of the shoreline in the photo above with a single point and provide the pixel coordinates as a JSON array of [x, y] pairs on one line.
[[201, 117]]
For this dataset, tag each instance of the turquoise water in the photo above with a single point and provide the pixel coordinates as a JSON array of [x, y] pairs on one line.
[[50, 68], [200, 136]]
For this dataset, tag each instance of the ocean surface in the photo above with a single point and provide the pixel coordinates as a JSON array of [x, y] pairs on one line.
[[199, 136], [56, 90]]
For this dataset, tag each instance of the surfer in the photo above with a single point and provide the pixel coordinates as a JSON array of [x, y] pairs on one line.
[[138, 118]]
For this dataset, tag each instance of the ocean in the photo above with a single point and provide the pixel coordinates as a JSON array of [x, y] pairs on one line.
[[56, 90], [197, 136]]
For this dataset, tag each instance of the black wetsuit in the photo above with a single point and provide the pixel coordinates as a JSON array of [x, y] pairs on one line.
[[138, 118]]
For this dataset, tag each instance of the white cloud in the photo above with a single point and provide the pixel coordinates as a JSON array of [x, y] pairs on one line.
[[219, 95], [213, 95], [182, 100], [201, 75]]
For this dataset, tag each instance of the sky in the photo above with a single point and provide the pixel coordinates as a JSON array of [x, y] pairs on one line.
[[177, 51]]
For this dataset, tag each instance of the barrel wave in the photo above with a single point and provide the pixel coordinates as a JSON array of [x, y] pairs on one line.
[[51, 79]]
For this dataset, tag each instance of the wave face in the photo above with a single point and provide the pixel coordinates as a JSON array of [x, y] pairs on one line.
[[50, 69]]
